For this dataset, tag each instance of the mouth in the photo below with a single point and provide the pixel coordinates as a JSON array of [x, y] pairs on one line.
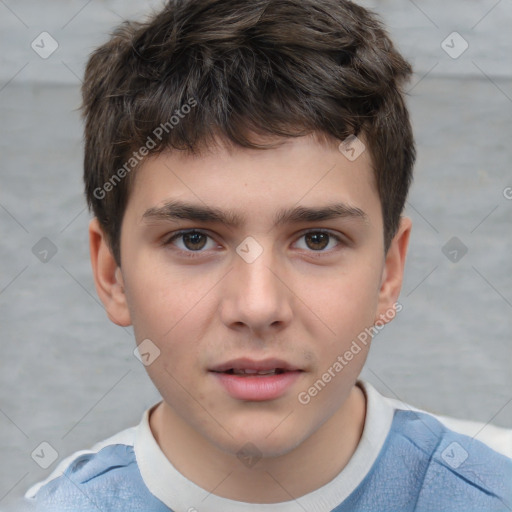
[[244, 372], [249, 380], [247, 366]]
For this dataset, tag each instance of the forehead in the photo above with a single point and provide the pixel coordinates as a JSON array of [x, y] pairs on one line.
[[303, 171]]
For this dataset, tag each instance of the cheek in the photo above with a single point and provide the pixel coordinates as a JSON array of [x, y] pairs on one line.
[[342, 338], [343, 304], [177, 335], [163, 300], [174, 314]]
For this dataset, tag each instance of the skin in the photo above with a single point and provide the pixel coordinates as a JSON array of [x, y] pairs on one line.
[[302, 300]]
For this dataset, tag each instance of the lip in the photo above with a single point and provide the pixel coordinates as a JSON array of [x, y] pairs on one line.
[[258, 389], [251, 364]]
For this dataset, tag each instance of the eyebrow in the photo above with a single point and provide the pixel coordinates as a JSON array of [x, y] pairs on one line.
[[178, 210]]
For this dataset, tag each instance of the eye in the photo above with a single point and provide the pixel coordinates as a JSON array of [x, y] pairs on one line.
[[191, 241], [194, 241], [318, 241]]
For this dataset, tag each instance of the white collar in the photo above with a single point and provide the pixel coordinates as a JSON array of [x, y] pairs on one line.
[[181, 495]]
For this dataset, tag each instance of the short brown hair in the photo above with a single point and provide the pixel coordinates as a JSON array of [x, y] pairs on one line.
[[200, 69]]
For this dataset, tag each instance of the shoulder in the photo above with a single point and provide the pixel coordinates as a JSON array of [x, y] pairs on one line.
[[497, 438], [454, 471], [430, 462], [106, 477]]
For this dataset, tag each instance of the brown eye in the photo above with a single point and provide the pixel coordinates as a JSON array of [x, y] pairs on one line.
[[317, 241], [194, 241], [191, 241]]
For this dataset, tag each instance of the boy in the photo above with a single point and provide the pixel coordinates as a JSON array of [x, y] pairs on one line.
[[247, 163]]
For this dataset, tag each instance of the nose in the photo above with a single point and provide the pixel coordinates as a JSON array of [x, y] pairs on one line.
[[256, 297]]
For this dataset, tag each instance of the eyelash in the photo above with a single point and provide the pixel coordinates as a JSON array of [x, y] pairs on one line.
[[195, 254]]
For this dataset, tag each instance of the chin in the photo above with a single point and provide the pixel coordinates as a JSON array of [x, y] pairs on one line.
[[260, 440]]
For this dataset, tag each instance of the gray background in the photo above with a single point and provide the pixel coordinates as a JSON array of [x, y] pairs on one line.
[[69, 377]]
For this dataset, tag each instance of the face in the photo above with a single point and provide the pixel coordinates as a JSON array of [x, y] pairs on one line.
[[240, 261]]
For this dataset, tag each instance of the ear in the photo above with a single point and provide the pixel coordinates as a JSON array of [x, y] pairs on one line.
[[393, 272], [107, 276]]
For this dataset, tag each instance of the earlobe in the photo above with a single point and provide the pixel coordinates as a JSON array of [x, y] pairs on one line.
[[392, 275], [108, 277]]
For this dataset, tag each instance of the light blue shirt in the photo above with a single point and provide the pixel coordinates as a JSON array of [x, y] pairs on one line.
[[407, 460]]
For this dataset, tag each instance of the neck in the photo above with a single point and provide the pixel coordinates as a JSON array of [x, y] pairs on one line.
[[309, 466]]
